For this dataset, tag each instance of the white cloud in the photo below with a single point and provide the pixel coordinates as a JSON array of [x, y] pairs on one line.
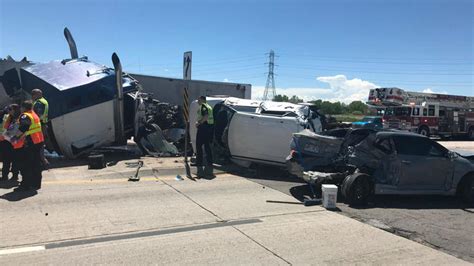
[[340, 89], [429, 90], [226, 80]]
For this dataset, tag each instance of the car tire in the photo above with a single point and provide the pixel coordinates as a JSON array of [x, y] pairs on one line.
[[466, 189], [357, 190], [424, 130]]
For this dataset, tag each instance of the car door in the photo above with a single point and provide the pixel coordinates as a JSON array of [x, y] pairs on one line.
[[424, 164]]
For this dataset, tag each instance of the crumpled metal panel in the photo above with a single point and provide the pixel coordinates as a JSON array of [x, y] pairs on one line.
[[386, 168], [69, 75]]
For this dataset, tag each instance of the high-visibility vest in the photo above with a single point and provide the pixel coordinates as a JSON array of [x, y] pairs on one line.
[[210, 115], [44, 116], [34, 131]]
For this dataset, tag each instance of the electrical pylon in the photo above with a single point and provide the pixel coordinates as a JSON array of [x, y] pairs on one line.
[[270, 91]]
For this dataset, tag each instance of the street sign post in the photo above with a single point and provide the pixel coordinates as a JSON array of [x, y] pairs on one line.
[[187, 61]]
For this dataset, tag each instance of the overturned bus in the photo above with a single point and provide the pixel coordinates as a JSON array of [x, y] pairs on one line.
[[91, 105]]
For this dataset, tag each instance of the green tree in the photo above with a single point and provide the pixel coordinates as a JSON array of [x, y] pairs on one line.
[[357, 106], [316, 103], [280, 98], [295, 99], [284, 98]]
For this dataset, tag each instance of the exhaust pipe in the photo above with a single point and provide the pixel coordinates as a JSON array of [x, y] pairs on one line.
[[118, 110], [72, 43]]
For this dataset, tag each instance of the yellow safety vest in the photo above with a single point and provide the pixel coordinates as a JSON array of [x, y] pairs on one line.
[[210, 116], [35, 126], [44, 117]]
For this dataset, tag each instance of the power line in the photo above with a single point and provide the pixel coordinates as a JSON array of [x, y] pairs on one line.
[[373, 72], [397, 60], [210, 72]]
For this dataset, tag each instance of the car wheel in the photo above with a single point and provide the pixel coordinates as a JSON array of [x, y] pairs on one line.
[[424, 130], [358, 192], [466, 189]]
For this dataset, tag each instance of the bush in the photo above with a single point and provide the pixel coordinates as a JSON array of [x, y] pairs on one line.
[[357, 113]]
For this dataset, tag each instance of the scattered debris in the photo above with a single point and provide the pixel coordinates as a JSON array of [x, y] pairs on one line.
[[283, 202], [152, 141], [96, 161], [136, 178]]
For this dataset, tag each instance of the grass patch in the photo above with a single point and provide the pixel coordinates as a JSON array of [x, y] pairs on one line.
[[348, 117]]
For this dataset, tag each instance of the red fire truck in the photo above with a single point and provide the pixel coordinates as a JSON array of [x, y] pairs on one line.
[[425, 113]]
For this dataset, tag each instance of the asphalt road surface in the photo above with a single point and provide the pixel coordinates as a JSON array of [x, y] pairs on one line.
[[443, 223]]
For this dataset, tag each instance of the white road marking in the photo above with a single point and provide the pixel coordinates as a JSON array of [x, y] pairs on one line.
[[21, 250]]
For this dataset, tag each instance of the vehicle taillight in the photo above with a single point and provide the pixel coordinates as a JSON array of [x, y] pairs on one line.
[[294, 153]]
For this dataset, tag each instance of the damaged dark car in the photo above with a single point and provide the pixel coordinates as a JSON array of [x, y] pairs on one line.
[[363, 162]]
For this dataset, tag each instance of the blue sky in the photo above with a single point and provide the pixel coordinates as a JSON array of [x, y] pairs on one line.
[[333, 50]]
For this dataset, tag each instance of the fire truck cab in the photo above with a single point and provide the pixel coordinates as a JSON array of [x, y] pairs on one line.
[[425, 113]]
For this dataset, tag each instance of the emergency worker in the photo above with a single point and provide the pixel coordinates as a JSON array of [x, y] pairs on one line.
[[30, 142], [10, 160], [41, 108], [205, 125]]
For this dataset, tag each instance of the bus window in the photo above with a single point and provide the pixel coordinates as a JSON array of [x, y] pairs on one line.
[[431, 110], [425, 112]]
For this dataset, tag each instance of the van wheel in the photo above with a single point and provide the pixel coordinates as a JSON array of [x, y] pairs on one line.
[[424, 130], [466, 189], [358, 191]]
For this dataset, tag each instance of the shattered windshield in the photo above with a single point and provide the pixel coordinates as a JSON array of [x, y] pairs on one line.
[[398, 111]]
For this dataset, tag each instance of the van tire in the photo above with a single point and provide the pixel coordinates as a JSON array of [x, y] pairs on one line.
[[424, 130], [356, 189]]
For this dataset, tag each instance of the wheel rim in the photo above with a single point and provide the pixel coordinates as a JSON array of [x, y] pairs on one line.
[[424, 132]]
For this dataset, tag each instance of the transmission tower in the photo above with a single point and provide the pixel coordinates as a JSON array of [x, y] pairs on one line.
[[270, 92]]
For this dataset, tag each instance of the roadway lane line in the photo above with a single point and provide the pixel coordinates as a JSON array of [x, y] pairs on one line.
[[110, 238], [21, 250], [96, 240]]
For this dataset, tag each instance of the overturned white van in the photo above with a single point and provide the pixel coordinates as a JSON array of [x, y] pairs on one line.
[[255, 131]]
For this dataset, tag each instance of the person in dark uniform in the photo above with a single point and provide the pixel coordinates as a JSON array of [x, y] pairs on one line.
[[10, 160], [204, 135], [30, 142]]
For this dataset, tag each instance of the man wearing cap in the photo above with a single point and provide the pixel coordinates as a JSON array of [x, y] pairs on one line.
[[204, 136]]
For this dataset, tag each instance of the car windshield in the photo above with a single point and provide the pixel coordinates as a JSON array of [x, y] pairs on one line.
[[398, 111]]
